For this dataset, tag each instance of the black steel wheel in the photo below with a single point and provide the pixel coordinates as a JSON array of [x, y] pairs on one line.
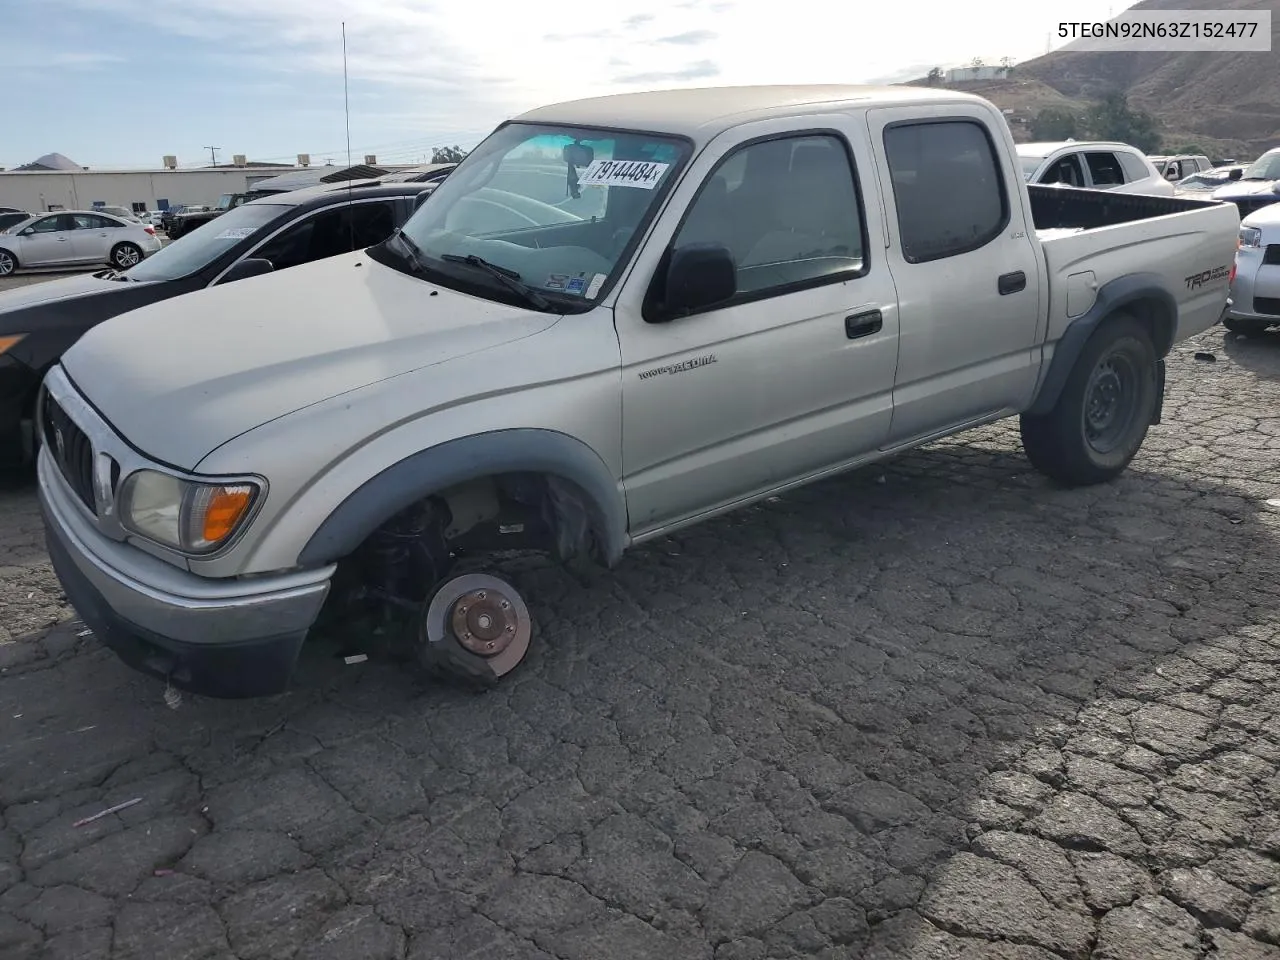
[[1104, 411]]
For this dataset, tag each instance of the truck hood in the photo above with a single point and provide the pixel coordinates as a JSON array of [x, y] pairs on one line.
[[51, 291], [179, 378]]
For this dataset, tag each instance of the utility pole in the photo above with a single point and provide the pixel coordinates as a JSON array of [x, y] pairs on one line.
[[213, 159]]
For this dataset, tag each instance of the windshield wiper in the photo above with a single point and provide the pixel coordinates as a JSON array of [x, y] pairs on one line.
[[509, 278]]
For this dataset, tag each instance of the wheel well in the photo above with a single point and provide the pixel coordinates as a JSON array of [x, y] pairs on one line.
[[1156, 316], [520, 512]]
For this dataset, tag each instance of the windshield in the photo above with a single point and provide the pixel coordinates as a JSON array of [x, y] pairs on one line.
[[557, 208], [1266, 167], [199, 248], [1029, 165]]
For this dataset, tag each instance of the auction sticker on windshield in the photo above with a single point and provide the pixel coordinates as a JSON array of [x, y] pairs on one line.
[[236, 233], [623, 173]]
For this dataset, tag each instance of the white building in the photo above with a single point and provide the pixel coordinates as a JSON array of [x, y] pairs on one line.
[[40, 190], [965, 74]]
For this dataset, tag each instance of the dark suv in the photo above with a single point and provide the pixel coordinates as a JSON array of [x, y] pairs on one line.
[[184, 223]]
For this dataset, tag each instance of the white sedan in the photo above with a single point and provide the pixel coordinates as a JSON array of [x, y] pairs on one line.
[[72, 238], [1092, 165]]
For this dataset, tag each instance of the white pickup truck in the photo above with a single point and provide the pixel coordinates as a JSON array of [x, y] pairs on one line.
[[617, 317]]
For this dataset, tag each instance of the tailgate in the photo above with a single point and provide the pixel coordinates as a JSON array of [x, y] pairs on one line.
[[1189, 254]]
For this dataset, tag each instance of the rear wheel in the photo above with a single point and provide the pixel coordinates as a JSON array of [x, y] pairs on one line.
[[1104, 411], [126, 255], [8, 263], [1247, 328]]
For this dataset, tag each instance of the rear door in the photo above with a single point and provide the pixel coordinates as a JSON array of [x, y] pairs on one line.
[[968, 275], [93, 237]]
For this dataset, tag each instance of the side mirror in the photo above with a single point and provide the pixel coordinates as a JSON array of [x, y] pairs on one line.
[[1235, 174], [249, 267], [1171, 174], [700, 275], [27, 232]]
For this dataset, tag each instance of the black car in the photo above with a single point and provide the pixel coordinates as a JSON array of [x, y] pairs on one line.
[[40, 321], [184, 223], [12, 218]]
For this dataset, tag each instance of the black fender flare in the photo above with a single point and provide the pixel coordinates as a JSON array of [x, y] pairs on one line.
[[1112, 297], [418, 475]]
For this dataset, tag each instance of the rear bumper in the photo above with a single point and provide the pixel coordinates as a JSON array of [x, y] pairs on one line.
[[230, 639]]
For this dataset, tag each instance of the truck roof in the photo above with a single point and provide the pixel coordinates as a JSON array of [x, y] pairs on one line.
[[702, 112]]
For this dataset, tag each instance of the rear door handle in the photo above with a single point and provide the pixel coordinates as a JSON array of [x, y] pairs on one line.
[[1011, 282], [863, 324]]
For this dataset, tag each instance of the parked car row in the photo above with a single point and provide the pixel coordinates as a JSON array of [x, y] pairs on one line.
[[75, 237], [616, 318]]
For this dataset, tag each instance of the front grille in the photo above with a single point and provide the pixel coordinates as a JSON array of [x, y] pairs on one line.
[[1272, 253], [71, 450], [1267, 305]]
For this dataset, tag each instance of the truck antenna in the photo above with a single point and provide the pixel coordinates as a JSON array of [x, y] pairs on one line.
[[346, 109]]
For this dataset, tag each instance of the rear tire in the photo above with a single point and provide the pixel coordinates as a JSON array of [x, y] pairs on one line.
[[1246, 328], [8, 263], [126, 255], [1104, 411]]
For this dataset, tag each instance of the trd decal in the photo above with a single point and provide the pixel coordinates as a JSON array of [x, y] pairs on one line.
[[1198, 280], [691, 364]]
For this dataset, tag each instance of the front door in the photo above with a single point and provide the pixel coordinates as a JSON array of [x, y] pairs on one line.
[[795, 373], [49, 242], [969, 277]]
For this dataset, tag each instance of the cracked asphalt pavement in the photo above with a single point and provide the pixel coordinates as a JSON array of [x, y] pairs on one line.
[[934, 709]]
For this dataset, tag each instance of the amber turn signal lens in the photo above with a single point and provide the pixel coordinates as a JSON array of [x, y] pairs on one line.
[[7, 342], [225, 507]]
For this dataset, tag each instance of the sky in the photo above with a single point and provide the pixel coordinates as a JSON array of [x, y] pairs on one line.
[[121, 83]]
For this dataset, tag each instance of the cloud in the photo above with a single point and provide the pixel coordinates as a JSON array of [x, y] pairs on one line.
[[694, 71], [689, 37], [638, 20]]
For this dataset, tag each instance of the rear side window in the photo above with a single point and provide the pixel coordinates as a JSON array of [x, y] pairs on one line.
[[947, 187], [1135, 169], [1105, 169]]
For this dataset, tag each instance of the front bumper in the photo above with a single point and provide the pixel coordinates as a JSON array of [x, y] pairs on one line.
[[220, 638]]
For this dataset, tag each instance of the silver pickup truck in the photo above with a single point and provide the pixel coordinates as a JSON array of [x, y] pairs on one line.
[[617, 317]]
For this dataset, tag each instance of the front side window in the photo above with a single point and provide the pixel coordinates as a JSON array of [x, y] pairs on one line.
[[1105, 169], [555, 209], [786, 209], [1066, 170], [196, 250], [50, 225], [947, 187]]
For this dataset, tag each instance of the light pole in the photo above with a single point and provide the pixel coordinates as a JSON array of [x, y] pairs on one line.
[[213, 159]]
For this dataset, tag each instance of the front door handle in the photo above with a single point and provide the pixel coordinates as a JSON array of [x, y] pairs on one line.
[[1011, 282], [863, 324]]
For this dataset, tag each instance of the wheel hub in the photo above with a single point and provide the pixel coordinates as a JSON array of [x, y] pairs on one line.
[[480, 616], [1110, 403], [484, 621]]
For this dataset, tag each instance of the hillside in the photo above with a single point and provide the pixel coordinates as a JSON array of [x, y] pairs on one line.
[[1226, 103]]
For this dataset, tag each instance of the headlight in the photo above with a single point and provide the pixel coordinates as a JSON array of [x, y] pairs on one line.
[[183, 514], [1250, 237]]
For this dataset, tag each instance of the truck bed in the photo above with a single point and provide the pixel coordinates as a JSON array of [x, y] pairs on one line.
[[1069, 208], [1091, 237]]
